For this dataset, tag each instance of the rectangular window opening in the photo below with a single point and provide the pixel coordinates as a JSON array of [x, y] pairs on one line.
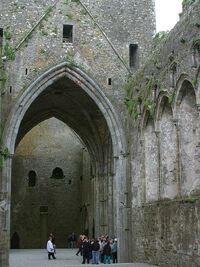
[[109, 81], [1, 37], [67, 33], [133, 55], [43, 209]]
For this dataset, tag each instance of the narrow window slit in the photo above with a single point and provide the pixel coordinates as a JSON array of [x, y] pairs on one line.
[[109, 81], [133, 55], [67, 33]]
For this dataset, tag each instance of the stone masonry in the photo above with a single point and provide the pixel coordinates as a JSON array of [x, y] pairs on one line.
[[133, 101]]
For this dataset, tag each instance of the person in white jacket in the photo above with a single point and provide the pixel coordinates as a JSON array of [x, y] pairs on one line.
[[50, 249]]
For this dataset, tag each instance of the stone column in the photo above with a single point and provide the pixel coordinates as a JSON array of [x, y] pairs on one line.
[[178, 157], [97, 205], [5, 196], [110, 206], [197, 156], [110, 191], [143, 171], [157, 133], [194, 61], [101, 205], [119, 197]]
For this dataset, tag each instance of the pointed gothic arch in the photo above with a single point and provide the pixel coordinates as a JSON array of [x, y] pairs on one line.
[[90, 88]]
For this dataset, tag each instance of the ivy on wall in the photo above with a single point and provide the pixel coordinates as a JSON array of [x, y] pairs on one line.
[[186, 3], [140, 88], [139, 91], [8, 51], [4, 154]]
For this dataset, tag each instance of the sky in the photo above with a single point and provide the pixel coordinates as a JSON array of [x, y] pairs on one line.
[[167, 13]]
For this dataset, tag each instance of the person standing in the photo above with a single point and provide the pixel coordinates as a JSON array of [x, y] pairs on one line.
[[102, 243], [53, 242], [72, 240], [95, 251], [86, 250], [114, 250], [79, 245], [50, 249], [107, 252]]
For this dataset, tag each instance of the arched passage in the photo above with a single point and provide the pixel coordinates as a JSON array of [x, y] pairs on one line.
[[167, 148], [68, 94], [187, 118], [151, 158]]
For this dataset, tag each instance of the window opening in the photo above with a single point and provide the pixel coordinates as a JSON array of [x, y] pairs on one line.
[[57, 173], [1, 39], [10, 89], [109, 81], [26, 71], [173, 72], [15, 241], [133, 55], [196, 54], [67, 33], [32, 178], [1, 36], [43, 209]]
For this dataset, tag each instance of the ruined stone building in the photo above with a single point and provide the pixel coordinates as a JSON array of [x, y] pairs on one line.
[[100, 127]]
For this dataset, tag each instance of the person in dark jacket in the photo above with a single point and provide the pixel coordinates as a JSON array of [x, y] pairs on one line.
[[107, 252], [79, 245], [114, 250], [86, 246], [95, 251]]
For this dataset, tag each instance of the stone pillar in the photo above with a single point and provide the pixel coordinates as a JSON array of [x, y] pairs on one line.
[[143, 171], [97, 205], [119, 196], [178, 157], [110, 205], [197, 156], [110, 190], [157, 133], [5, 194], [101, 205], [194, 61]]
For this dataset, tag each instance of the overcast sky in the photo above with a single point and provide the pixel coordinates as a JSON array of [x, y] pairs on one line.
[[167, 13]]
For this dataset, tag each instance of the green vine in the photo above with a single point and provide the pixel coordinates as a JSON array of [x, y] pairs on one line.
[[186, 3], [131, 105], [4, 155], [136, 98], [194, 80], [7, 35], [158, 38], [75, 1], [9, 52]]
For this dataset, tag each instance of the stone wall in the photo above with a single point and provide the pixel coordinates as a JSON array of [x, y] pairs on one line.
[[165, 170], [97, 48], [33, 43], [47, 146], [162, 192]]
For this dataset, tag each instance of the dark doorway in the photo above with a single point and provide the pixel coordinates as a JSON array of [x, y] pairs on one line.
[[15, 241]]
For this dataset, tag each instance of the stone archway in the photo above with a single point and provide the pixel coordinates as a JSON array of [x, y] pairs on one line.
[[14, 132]]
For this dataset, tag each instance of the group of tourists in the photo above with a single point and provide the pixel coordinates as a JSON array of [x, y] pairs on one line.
[[95, 250], [102, 249]]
